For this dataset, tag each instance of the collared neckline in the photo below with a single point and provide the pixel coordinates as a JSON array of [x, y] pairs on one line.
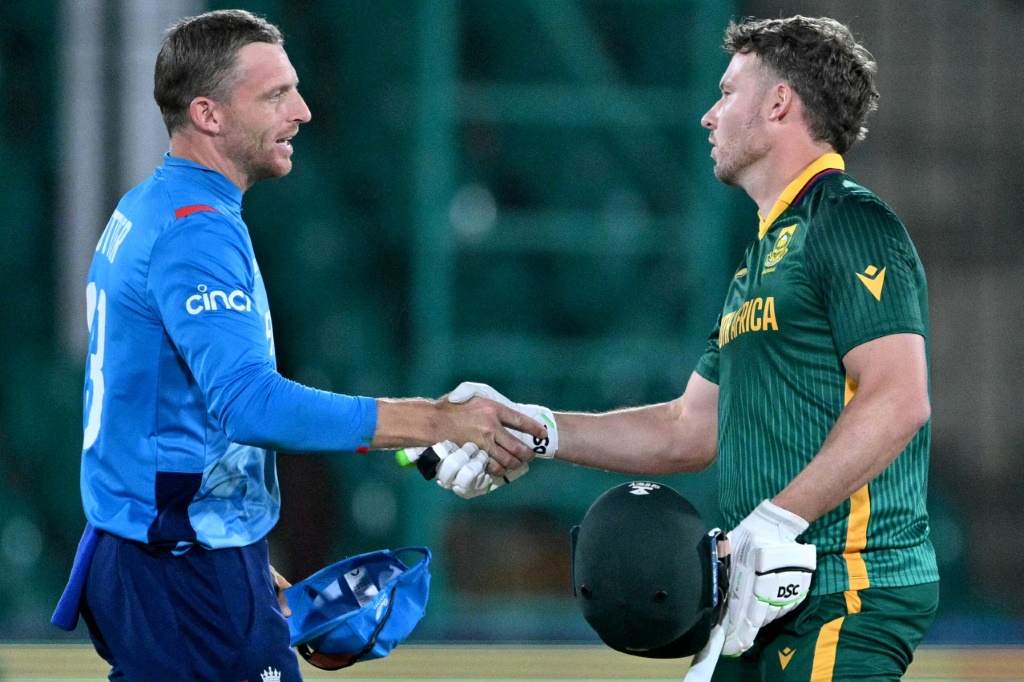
[[210, 178], [825, 162]]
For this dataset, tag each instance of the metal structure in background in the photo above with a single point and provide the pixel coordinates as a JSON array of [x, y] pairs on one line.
[[110, 134], [141, 137], [82, 154], [463, 227], [593, 93], [435, 162]]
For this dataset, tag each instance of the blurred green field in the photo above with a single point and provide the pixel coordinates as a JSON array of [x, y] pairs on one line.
[[78, 663]]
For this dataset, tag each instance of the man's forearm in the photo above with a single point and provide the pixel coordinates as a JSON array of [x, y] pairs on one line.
[[412, 421], [651, 440]]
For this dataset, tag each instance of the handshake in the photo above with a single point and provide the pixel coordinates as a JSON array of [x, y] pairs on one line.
[[770, 572], [463, 470]]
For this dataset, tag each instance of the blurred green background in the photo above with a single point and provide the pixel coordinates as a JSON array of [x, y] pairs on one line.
[[517, 192]]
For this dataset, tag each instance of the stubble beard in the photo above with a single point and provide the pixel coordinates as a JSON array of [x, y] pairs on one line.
[[748, 147], [254, 161]]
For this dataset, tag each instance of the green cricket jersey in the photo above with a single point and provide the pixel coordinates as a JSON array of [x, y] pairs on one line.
[[832, 268]]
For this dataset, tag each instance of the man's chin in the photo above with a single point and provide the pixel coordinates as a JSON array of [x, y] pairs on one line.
[[278, 169], [283, 168], [725, 175]]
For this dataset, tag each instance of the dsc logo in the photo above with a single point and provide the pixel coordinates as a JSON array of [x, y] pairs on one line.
[[540, 445], [786, 591], [208, 300]]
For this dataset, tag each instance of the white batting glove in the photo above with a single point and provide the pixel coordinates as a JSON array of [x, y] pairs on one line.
[[461, 470], [543, 447], [464, 472], [770, 573]]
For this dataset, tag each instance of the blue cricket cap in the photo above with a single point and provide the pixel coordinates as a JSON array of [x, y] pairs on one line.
[[358, 609]]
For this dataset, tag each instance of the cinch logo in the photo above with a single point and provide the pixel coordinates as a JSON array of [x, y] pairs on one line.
[[643, 488], [207, 300], [271, 675]]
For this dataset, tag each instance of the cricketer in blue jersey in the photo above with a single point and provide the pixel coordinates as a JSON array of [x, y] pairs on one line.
[[184, 407]]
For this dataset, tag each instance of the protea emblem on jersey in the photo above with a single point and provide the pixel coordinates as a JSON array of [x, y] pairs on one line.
[[781, 247]]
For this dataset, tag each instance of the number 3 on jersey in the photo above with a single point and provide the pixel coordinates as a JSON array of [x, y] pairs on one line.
[[270, 332], [96, 316]]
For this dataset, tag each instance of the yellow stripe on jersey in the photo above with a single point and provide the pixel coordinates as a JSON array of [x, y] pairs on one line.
[[824, 162], [825, 651], [857, 524], [857, 539]]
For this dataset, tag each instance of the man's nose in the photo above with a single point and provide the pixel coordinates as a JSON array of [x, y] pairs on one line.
[[302, 113], [708, 119]]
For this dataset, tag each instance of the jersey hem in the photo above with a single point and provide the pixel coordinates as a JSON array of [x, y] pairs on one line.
[[872, 335]]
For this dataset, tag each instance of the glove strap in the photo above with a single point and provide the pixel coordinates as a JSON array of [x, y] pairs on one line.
[[786, 521], [542, 447]]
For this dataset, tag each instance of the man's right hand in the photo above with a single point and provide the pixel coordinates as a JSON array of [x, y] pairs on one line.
[[490, 425], [473, 409], [543, 444]]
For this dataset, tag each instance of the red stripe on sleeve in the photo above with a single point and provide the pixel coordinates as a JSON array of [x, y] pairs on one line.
[[362, 449], [186, 211]]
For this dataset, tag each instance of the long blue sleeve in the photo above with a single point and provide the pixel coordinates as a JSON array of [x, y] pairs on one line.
[[204, 283], [183, 404]]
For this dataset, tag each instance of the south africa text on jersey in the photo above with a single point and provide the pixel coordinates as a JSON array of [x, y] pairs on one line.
[[755, 315]]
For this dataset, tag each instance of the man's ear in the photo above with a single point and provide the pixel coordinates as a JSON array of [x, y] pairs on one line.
[[206, 115], [780, 99]]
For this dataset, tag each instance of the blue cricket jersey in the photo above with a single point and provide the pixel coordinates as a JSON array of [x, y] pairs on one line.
[[184, 406]]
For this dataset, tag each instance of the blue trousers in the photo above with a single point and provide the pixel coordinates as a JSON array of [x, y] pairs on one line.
[[206, 615]]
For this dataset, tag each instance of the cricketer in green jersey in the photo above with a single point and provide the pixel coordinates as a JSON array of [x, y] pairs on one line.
[[813, 390]]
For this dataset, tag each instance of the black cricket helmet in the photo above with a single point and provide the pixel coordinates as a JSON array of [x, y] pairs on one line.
[[647, 573]]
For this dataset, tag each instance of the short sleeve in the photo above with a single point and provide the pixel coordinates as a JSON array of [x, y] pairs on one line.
[[707, 365], [862, 261]]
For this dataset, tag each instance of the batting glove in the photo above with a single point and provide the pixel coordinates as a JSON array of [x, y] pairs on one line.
[[543, 447], [770, 574], [464, 472], [461, 470]]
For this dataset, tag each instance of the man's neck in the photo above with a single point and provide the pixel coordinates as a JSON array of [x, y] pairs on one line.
[[765, 183], [200, 149]]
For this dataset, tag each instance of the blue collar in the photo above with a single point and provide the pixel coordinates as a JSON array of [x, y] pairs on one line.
[[207, 177]]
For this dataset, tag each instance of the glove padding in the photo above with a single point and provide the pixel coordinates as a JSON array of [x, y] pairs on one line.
[[461, 470], [770, 573], [464, 472], [542, 447]]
